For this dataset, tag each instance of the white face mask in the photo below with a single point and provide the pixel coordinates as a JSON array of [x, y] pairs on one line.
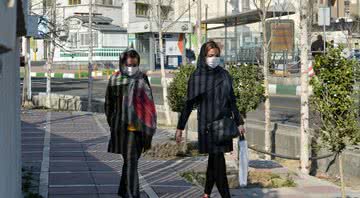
[[213, 61], [131, 70]]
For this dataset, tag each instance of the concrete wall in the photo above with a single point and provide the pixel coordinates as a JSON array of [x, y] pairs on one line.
[[10, 141]]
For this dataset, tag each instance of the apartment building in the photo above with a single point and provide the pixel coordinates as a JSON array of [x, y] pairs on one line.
[[109, 13]]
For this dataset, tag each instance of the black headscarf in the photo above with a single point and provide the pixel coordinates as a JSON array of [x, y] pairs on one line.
[[204, 77], [122, 61]]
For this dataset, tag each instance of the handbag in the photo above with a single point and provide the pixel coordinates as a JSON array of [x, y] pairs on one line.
[[223, 130]]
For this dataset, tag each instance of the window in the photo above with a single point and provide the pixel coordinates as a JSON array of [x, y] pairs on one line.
[[142, 9], [48, 3], [73, 40], [85, 39], [74, 2], [114, 40], [104, 2], [165, 11]]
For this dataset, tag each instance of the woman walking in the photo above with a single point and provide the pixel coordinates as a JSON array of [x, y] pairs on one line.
[[131, 115], [210, 90]]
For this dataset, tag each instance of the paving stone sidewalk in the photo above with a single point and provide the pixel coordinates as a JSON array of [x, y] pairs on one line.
[[66, 152]]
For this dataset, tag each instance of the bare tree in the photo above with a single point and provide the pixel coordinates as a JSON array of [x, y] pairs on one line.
[[163, 17], [51, 31], [263, 7], [305, 21]]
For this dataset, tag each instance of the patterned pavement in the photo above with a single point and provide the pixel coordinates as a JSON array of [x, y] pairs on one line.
[[77, 164], [66, 152]]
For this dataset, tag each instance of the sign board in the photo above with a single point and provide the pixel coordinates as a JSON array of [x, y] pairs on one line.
[[32, 26], [173, 46], [281, 33], [324, 16]]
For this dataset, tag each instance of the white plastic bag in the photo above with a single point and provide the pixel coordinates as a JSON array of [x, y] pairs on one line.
[[243, 162]]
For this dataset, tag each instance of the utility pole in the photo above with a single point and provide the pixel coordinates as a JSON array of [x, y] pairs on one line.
[[90, 79], [199, 26]]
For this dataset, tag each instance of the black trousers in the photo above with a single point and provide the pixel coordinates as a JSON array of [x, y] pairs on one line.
[[129, 183], [216, 174]]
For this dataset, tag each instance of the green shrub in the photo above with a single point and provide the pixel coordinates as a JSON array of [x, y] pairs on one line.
[[178, 87], [248, 86], [247, 83], [334, 99]]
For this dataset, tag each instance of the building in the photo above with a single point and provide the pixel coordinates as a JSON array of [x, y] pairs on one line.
[[143, 26], [109, 41], [13, 17], [341, 8], [65, 9]]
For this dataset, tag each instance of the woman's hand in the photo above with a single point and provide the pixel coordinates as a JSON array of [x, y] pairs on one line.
[[241, 129], [178, 136]]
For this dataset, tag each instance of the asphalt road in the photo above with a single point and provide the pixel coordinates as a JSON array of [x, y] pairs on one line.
[[284, 109]]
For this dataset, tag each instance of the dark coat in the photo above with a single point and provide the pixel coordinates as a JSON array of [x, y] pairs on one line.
[[115, 114], [211, 91]]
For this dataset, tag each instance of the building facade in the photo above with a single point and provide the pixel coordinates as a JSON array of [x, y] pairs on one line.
[[109, 41], [141, 17], [65, 9]]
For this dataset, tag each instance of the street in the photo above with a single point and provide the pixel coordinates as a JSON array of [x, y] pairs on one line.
[[284, 109]]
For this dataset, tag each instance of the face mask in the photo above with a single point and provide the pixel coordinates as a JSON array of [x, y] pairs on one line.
[[131, 70], [213, 61]]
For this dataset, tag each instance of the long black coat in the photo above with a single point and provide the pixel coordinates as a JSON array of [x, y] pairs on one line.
[[211, 91], [211, 106]]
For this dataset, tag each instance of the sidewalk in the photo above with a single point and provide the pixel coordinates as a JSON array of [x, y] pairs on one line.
[[66, 151]]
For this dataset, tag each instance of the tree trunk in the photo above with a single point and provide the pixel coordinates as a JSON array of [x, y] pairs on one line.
[[49, 64], [163, 80], [304, 123], [186, 138], [343, 193], [266, 82], [26, 72]]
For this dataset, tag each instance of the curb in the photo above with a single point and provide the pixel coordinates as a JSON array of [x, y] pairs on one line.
[[95, 74]]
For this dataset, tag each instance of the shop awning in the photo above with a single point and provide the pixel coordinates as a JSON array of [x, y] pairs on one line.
[[243, 18]]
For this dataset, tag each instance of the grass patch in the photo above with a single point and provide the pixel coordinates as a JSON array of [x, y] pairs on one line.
[[269, 180], [171, 150], [255, 179], [197, 178]]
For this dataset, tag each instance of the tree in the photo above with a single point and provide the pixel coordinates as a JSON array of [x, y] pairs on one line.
[[263, 7], [334, 99], [161, 14], [304, 18], [54, 33]]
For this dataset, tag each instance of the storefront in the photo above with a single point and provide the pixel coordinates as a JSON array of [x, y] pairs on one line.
[[144, 37]]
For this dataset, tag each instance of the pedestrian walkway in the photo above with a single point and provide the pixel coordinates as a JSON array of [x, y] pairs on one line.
[[66, 151]]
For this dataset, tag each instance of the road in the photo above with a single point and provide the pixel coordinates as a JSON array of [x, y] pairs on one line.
[[284, 109]]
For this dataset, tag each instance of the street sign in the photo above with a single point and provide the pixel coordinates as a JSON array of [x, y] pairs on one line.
[[324, 16], [32, 26]]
